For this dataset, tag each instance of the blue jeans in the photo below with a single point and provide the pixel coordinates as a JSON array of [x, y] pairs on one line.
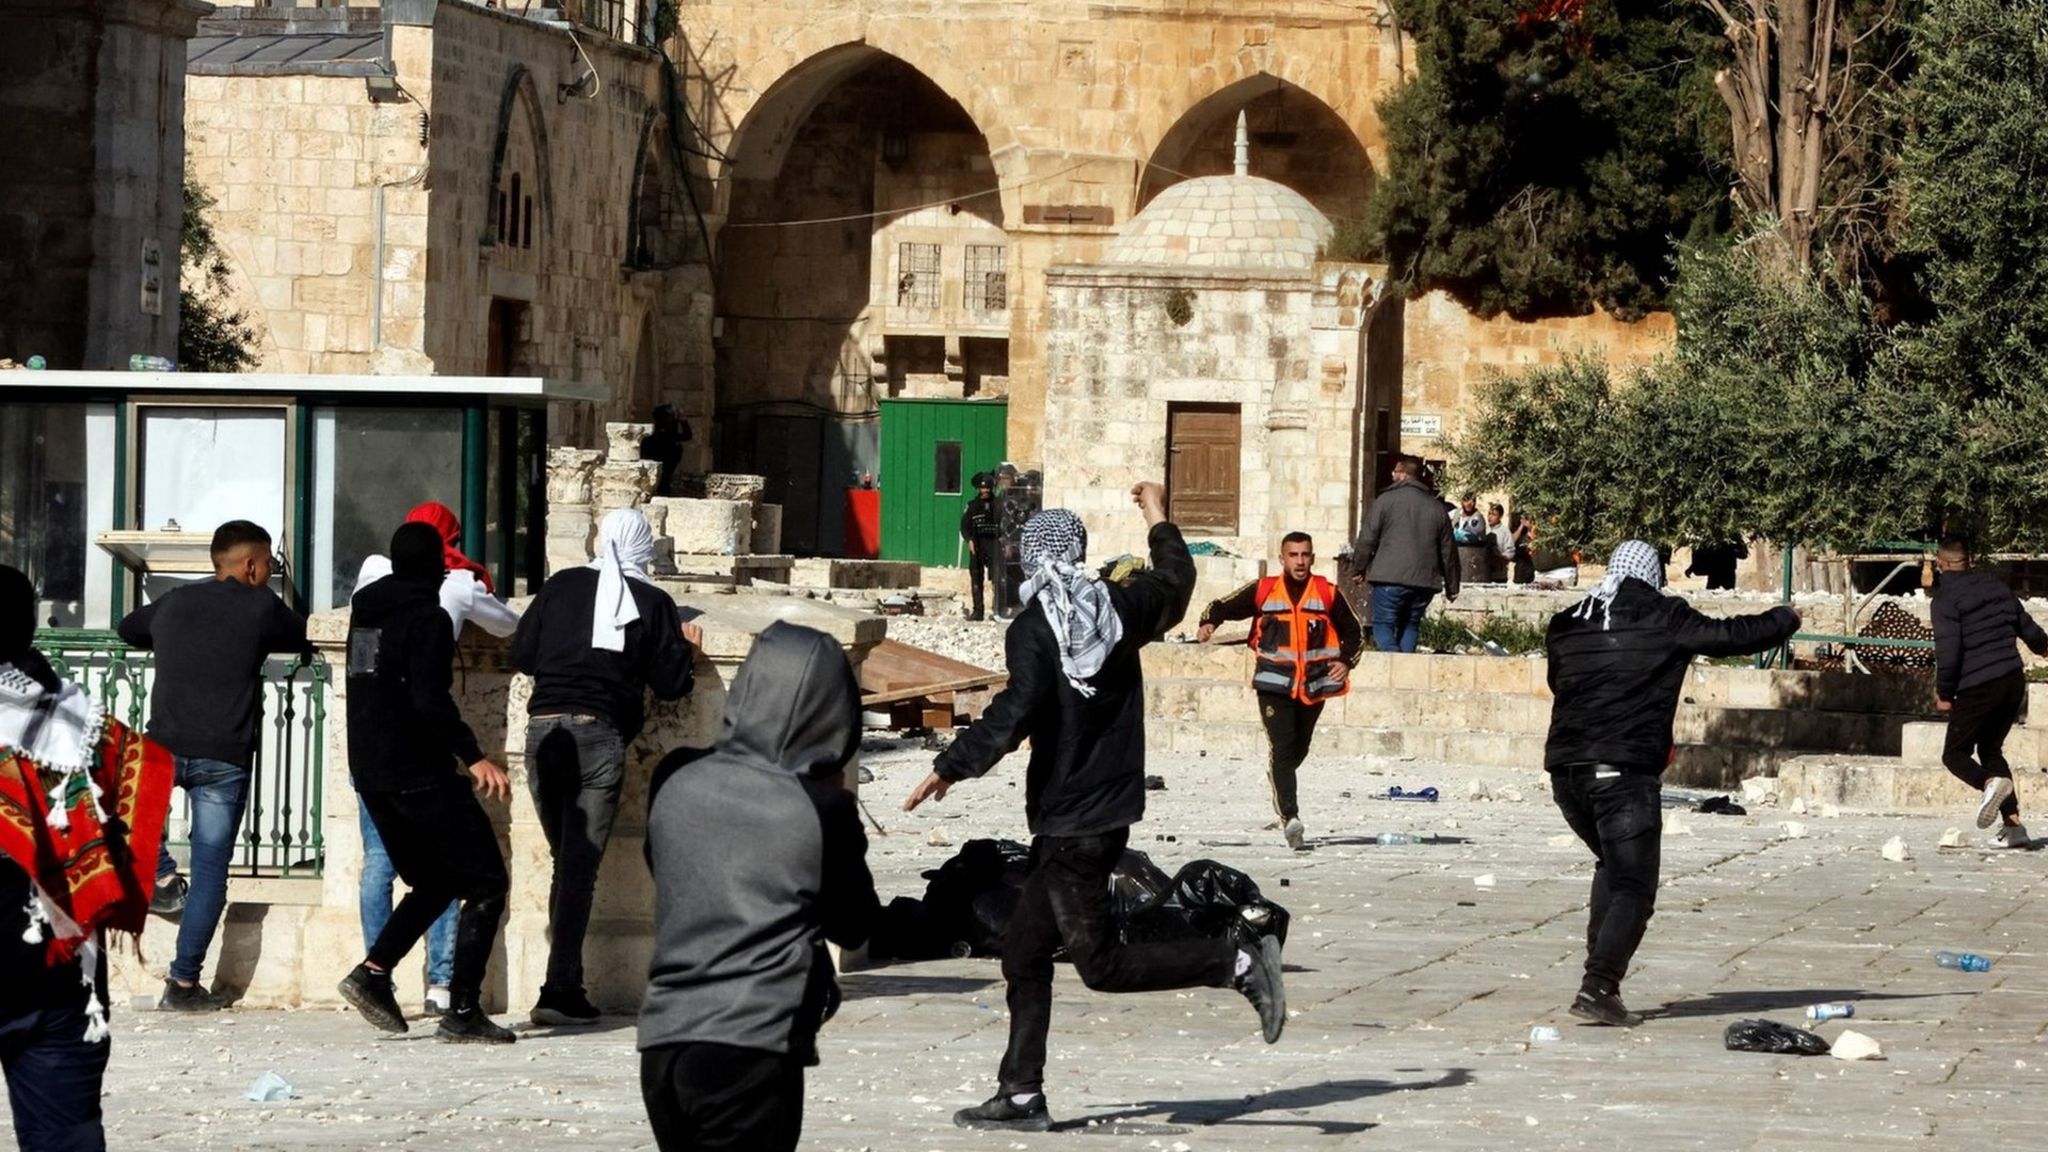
[[219, 794], [1397, 612], [53, 1078], [374, 897]]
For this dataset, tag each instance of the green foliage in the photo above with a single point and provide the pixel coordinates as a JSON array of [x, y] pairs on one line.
[[1541, 167], [212, 335], [1446, 633]]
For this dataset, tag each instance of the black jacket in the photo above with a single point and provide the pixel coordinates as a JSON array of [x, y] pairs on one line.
[[759, 858], [210, 641], [981, 520], [572, 678], [1616, 688], [1407, 540], [1087, 770], [1976, 619], [404, 730]]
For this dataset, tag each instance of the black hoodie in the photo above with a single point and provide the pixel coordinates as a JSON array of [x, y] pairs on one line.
[[404, 730], [759, 858]]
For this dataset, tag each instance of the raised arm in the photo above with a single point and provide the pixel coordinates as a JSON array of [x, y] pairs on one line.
[[1703, 635]]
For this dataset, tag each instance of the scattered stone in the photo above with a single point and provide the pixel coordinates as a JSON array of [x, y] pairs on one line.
[[1484, 880], [1952, 838], [1831, 812], [1760, 790], [1799, 805], [938, 839], [1854, 1045], [1477, 790], [1791, 829], [1674, 825], [1509, 793], [1566, 839], [1895, 850]]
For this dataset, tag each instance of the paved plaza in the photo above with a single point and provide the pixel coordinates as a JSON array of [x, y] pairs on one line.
[[1414, 983]]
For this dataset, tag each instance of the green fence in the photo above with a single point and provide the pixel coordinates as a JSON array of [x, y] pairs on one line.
[[281, 834]]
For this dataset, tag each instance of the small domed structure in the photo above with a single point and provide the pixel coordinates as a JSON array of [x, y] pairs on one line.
[[1224, 222], [1235, 221]]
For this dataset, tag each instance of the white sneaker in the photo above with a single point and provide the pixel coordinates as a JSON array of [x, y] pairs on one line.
[[1995, 791], [2014, 836], [1294, 833]]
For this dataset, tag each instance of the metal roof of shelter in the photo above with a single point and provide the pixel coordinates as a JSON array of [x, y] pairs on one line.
[[285, 54], [512, 389]]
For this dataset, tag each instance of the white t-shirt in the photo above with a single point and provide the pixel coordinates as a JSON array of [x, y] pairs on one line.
[[462, 597]]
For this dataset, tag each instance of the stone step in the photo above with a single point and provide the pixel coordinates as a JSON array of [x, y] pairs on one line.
[[2026, 747], [1889, 783]]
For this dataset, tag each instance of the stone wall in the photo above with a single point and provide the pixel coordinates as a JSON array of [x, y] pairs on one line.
[[601, 276], [1274, 343], [93, 189]]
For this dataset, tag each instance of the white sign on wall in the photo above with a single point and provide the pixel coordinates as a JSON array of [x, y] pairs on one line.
[[1422, 427], [152, 278]]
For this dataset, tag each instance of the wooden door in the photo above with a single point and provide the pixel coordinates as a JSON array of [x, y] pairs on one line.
[[1202, 468]]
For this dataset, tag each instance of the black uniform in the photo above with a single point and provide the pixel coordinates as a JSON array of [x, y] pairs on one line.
[[981, 525]]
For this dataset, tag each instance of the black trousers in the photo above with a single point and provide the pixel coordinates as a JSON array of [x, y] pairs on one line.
[[1620, 816], [1978, 723], [1066, 899], [716, 1096], [442, 845], [985, 562], [54, 1076], [1289, 726]]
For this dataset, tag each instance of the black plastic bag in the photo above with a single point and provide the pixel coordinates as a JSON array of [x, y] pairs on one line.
[[1208, 900], [1137, 885], [1771, 1036], [966, 906]]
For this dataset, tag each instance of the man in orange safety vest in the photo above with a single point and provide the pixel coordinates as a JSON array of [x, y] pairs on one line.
[[1306, 638]]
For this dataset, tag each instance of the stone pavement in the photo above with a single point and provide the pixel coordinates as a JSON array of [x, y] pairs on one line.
[[1413, 988]]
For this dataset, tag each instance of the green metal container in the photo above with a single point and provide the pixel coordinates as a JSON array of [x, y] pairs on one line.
[[931, 450]]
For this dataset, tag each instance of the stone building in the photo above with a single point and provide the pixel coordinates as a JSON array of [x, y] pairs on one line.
[[437, 186], [1036, 129], [89, 220]]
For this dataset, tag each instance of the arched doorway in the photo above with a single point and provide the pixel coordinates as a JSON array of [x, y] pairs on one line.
[[1296, 140], [862, 256]]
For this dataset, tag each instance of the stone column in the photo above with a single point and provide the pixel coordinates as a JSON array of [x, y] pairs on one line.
[[570, 522]]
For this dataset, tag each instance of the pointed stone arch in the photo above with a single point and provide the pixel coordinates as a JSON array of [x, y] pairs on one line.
[[519, 109], [1298, 139]]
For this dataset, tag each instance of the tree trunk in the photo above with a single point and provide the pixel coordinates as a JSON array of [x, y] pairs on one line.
[[1777, 91]]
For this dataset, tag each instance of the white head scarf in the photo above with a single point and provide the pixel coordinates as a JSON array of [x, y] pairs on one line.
[[1633, 559], [1076, 604], [625, 547]]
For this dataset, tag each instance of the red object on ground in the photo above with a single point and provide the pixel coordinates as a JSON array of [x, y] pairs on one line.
[[863, 524]]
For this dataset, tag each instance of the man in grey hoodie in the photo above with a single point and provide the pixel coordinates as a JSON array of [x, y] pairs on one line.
[[758, 859]]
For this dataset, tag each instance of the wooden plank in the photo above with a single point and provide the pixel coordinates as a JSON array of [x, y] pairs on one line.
[[985, 680]]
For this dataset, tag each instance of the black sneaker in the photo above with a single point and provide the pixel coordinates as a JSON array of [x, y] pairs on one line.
[[188, 998], [563, 1009], [1001, 1114], [369, 993], [471, 1026], [1604, 1008], [168, 901], [1261, 984]]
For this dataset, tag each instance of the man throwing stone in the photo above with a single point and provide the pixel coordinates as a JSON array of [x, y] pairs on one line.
[[1307, 639], [1077, 692], [1979, 682], [1617, 663]]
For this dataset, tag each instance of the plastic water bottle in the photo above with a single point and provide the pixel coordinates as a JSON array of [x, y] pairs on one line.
[[1542, 1034], [1962, 961], [1399, 838], [141, 363], [1822, 1013]]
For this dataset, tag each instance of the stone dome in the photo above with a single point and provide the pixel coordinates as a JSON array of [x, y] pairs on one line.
[[1234, 221]]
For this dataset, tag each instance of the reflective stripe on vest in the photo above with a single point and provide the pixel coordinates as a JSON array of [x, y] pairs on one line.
[[1296, 644]]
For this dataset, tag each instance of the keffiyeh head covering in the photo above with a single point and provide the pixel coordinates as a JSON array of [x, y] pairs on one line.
[[1076, 604], [625, 547], [1634, 559]]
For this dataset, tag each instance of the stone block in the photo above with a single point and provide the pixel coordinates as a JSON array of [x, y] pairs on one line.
[[622, 441], [767, 539], [569, 471], [735, 486], [709, 527]]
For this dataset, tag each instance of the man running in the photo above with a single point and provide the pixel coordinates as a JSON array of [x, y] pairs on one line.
[[1077, 692], [406, 743], [1979, 682], [1618, 660], [1307, 639]]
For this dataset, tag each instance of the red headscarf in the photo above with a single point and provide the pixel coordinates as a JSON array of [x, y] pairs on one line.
[[442, 519]]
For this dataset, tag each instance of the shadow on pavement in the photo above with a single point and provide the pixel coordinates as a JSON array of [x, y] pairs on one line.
[[1237, 1109], [863, 984], [1773, 1000]]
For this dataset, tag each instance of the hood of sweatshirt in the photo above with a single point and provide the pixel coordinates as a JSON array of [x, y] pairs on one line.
[[794, 704]]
